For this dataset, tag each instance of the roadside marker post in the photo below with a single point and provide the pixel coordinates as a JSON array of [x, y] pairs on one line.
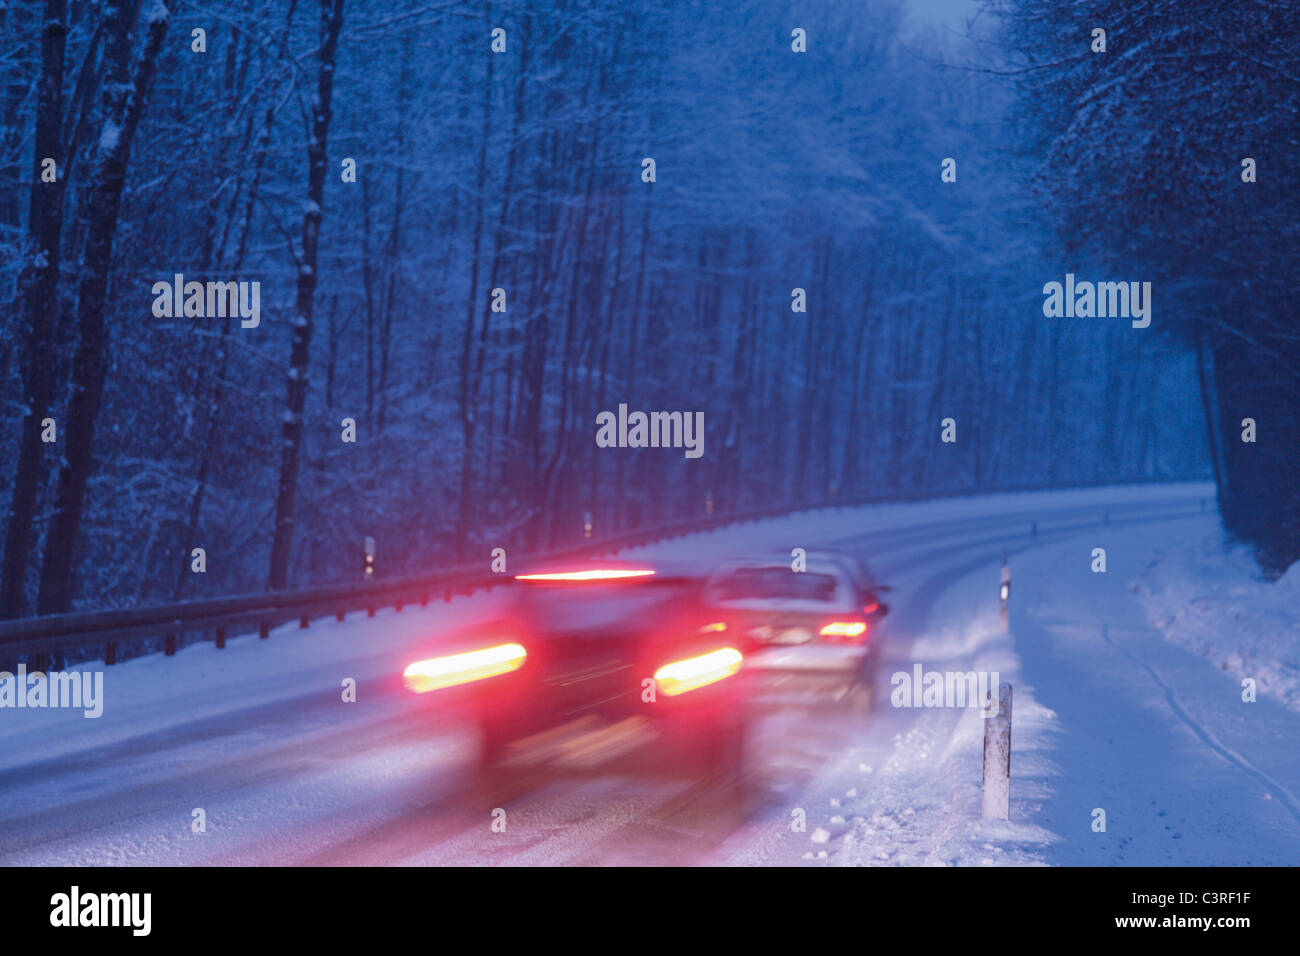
[[368, 569], [1004, 591], [997, 759]]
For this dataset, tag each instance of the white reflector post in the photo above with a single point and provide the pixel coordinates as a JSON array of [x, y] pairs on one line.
[[997, 759], [1004, 591]]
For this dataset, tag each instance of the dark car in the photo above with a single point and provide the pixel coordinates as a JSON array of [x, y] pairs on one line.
[[589, 658]]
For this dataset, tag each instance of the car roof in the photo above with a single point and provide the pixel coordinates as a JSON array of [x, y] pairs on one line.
[[842, 596], [814, 563], [849, 563]]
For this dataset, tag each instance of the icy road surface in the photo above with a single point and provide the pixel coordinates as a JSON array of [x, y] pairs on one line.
[[1121, 704]]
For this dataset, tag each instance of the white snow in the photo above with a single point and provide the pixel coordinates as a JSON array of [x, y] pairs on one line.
[[1218, 607], [153, 693], [1127, 699], [109, 136]]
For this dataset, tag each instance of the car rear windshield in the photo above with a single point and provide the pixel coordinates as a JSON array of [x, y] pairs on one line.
[[776, 583], [618, 606]]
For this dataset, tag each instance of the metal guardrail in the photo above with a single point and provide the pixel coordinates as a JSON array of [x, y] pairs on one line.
[[226, 616]]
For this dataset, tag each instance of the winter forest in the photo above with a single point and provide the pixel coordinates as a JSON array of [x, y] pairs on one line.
[[474, 226]]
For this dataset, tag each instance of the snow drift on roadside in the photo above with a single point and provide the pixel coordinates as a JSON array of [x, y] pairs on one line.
[[1216, 606]]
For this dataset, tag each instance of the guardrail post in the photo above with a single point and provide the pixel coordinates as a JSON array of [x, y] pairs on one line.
[[169, 645], [110, 653], [221, 638], [304, 622], [263, 630], [340, 614], [997, 759]]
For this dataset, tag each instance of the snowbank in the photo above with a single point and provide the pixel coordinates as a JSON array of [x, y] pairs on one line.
[[1217, 606]]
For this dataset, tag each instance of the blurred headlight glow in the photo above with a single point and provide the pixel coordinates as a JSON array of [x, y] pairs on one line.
[[692, 672], [844, 629], [436, 672]]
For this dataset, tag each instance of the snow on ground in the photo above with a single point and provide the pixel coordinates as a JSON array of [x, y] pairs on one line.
[[908, 793], [1108, 715], [811, 529], [151, 693], [1154, 736], [1217, 606], [1116, 708]]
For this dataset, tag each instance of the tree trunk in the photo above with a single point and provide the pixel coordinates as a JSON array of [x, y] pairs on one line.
[[124, 95], [331, 22], [16, 25], [39, 292], [468, 380], [1211, 424]]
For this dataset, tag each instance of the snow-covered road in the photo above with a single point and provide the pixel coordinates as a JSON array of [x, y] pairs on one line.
[[1109, 714]]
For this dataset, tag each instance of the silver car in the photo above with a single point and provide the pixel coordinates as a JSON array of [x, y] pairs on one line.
[[811, 635]]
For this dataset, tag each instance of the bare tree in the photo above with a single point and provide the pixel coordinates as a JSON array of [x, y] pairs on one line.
[[39, 294], [124, 101], [331, 23]]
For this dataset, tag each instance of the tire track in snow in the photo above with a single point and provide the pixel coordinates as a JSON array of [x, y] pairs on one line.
[[1284, 796]]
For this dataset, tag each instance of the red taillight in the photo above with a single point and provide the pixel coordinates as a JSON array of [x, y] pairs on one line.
[[693, 672], [871, 608], [845, 632], [452, 669], [598, 574]]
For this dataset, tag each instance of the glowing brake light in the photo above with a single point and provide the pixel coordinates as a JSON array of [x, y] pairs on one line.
[[436, 672], [713, 628], [871, 608], [693, 672], [846, 632], [599, 574]]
